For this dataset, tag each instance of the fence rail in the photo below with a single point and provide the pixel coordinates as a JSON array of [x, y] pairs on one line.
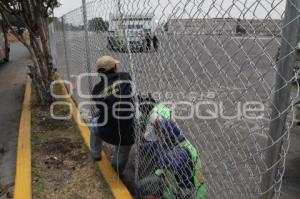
[[225, 68]]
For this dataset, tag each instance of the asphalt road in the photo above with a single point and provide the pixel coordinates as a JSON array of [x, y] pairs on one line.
[[291, 179], [12, 79], [227, 70]]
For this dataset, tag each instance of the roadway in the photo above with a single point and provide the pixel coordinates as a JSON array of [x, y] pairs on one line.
[[12, 79]]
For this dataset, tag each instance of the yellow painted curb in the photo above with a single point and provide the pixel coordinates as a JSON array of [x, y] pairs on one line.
[[119, 190], [23, 165]]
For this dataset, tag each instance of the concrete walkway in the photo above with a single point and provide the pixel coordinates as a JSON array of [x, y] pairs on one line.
[[12, 79]]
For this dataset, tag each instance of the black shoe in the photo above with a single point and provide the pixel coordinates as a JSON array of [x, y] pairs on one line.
[[97, 158]]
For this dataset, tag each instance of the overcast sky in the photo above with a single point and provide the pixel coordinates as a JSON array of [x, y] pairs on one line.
[[181, 8], [67, 6]]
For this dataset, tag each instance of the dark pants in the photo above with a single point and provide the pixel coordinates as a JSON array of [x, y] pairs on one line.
[[148, 42], [120, 157], [155, 45]]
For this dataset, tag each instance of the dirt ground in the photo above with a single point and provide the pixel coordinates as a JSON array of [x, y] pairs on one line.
[[4, 190], [61, 165]]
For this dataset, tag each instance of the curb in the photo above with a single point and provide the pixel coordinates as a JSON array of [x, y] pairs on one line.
[[23, 163], [119, 190]]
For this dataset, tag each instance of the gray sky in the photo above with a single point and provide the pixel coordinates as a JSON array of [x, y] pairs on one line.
[[181, 8], [67, 6]]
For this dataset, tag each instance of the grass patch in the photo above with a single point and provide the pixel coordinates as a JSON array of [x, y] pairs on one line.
[[61, 165]]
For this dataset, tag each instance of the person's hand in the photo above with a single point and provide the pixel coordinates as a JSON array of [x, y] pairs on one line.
[[142, 137]]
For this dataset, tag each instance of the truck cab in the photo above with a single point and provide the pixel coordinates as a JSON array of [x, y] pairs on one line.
[[128, 32], [134, 39]]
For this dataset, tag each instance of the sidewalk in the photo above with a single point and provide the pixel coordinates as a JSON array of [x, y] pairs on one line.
[[12, 79]]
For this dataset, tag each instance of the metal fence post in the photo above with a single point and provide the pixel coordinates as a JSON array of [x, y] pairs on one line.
[[65, 47], [281, 99], [87, 43], [88, 52]]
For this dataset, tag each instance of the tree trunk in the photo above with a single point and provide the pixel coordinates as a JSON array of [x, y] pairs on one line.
[[33, 14], [41, 71], [42, 29], [43, 93]]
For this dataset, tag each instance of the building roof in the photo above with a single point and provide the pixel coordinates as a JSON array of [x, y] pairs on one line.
[[133, 16]]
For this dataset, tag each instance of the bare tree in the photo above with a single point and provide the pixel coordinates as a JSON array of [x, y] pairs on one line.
[[34, 15]]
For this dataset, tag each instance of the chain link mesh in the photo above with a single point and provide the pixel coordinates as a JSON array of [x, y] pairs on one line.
[[214, 65]]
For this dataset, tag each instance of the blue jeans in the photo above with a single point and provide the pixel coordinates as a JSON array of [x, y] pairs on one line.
[[121, 154]]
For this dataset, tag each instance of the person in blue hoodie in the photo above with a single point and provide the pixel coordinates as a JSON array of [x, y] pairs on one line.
[[114, 120], [179, 170]]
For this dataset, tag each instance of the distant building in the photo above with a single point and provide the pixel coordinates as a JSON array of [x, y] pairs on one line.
[[201, 26], [224, 26], [262, 26], [129, 22]]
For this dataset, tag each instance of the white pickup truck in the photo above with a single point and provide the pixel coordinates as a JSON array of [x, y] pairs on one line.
[[124, 40], [127, 32]]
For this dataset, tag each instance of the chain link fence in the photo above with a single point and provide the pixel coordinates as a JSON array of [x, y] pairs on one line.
[[224, 68]]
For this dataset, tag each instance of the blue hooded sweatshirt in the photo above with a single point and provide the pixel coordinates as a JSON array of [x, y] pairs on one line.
[[169, 156]]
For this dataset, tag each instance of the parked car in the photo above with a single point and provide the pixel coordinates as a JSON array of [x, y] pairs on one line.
[[4, 44]]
